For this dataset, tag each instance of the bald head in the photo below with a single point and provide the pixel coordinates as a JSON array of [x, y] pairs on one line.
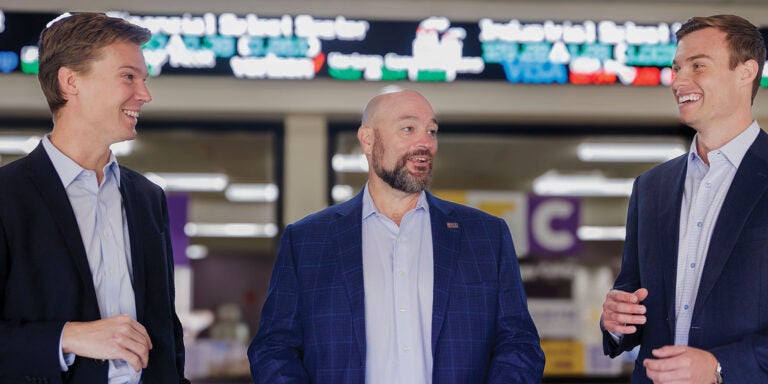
[[390, 101]]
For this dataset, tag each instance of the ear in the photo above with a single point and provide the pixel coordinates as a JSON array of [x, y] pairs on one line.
[[67, 82], [748, 71], [365, 137]]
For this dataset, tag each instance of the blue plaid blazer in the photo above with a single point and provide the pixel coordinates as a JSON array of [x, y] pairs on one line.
[[313, 322]]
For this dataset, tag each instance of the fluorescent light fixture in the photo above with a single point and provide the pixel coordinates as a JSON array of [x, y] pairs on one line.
[[197, 251], [341, 193], [260, 193], [629, 152], [189, 182], [230, 230], [595, 184], [123, 148], [597, 233], [18, 145], [349, 163]]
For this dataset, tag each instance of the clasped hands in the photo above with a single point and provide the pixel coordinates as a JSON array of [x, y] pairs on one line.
[[623, 312]]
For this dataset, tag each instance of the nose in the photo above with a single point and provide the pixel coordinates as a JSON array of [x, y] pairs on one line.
[[678, 80], [427, 140], [142, 93]]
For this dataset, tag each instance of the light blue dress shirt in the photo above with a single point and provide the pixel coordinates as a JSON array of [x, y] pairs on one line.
[[398, 275], [104, 230], [703, 196]]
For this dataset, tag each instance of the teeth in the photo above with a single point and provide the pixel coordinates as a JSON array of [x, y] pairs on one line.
[[687, 98], [131, 113]]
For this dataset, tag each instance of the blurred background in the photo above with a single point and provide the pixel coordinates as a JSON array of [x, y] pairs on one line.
[[548, 110]]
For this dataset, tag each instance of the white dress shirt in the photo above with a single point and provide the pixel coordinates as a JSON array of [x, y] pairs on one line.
[[398, 275], [703, 195], [103, 227]]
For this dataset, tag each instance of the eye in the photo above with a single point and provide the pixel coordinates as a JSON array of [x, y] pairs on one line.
[[407, 129], [432, 132], [129, 76], [675, 68], [698, 66]]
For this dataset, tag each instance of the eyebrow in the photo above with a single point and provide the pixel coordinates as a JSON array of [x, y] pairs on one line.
[[411, 117], [695, 57]]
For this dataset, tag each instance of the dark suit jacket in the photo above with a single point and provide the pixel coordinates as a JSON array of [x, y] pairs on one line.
[[45, 279], [730, 316], [313, 322]]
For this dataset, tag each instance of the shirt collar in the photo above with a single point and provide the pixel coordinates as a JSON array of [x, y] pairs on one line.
[[369, 208], [733, 150], [68, 169]]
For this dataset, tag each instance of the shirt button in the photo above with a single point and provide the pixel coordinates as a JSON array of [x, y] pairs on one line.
[[699, 224], [400, 273], [403, 310], [406, 349], [112, 311], [693, 265], [707, 184], [685, 307]]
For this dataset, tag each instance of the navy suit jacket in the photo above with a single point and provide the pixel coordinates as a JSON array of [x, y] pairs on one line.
[[313, 322], [45, 279], [730, 317]]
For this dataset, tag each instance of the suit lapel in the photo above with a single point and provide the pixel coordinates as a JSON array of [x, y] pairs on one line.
[[749, 184], [670, 204], [43, 175], [347, 233], [446, 240], [132, 208]]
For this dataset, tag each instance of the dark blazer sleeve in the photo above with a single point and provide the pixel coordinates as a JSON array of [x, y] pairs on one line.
[[27, 348], [517, 356], [275, 354], [178, 331], [628, 279]]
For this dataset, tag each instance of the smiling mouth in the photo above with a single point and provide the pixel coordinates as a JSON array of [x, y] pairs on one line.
[[419, 159], [134, 114], [688, 98]]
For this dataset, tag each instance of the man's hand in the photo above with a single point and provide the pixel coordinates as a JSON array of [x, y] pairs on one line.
[[118, 337], [681, 364], [622, 311]]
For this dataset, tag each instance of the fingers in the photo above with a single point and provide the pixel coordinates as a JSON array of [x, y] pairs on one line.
[[668, 351], [681, 364], [641, 294], [622, 311], [118, 337]]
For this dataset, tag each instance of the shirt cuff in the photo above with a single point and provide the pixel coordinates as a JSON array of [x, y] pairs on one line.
[[616, 337], [65, 359]]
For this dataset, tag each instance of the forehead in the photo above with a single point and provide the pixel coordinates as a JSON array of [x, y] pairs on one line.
[[406, 106], [121, 55], [704, 42]]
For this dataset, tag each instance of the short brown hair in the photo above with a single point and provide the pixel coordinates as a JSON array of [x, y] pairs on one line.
[[744, 40], [74, 42]]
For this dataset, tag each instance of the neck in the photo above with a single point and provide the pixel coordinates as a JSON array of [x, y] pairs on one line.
[[81, 148], [714, 138], [390, 202]]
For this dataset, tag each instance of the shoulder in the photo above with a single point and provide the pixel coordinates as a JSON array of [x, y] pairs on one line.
[[666, 171], [139, 181], [325, 216], [13, 172], [462, 213], [449, 207]]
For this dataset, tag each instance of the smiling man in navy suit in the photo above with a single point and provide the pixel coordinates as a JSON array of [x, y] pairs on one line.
[[693, 287], [86, 268], [395, 285]]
